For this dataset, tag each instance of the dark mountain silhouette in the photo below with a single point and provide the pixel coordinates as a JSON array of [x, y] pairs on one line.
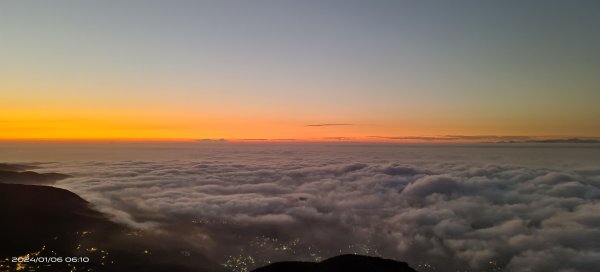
[[45, 221], [16, 173], [342, 263], [30, 177], [48, 220], [16, 167]]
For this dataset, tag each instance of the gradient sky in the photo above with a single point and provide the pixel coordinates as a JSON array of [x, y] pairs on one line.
[[272, 69]]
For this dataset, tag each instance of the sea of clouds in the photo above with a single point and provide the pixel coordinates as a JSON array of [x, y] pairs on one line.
[[502, 207]]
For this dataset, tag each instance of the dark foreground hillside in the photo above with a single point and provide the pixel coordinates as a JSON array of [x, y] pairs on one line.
[[343, 263], [42, 216], [48, 223]]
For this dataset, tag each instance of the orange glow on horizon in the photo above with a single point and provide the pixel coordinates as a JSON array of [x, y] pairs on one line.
[[255, 140], [72, 124]]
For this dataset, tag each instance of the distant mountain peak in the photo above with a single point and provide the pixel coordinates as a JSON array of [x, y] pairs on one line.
[[342, 263]]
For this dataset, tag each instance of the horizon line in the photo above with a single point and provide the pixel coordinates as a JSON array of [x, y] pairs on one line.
[[443, 139]]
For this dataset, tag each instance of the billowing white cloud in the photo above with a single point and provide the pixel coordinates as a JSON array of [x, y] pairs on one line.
[[444, 209]]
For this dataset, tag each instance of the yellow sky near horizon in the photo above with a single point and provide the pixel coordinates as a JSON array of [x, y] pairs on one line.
[[148, 124]]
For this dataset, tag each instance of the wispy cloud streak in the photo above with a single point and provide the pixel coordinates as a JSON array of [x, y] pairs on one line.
[[328, 125]]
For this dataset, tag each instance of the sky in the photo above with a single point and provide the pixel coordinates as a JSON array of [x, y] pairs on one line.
[[303, 70]]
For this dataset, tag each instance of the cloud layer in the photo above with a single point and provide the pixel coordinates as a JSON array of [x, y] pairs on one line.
[[438, 208]]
